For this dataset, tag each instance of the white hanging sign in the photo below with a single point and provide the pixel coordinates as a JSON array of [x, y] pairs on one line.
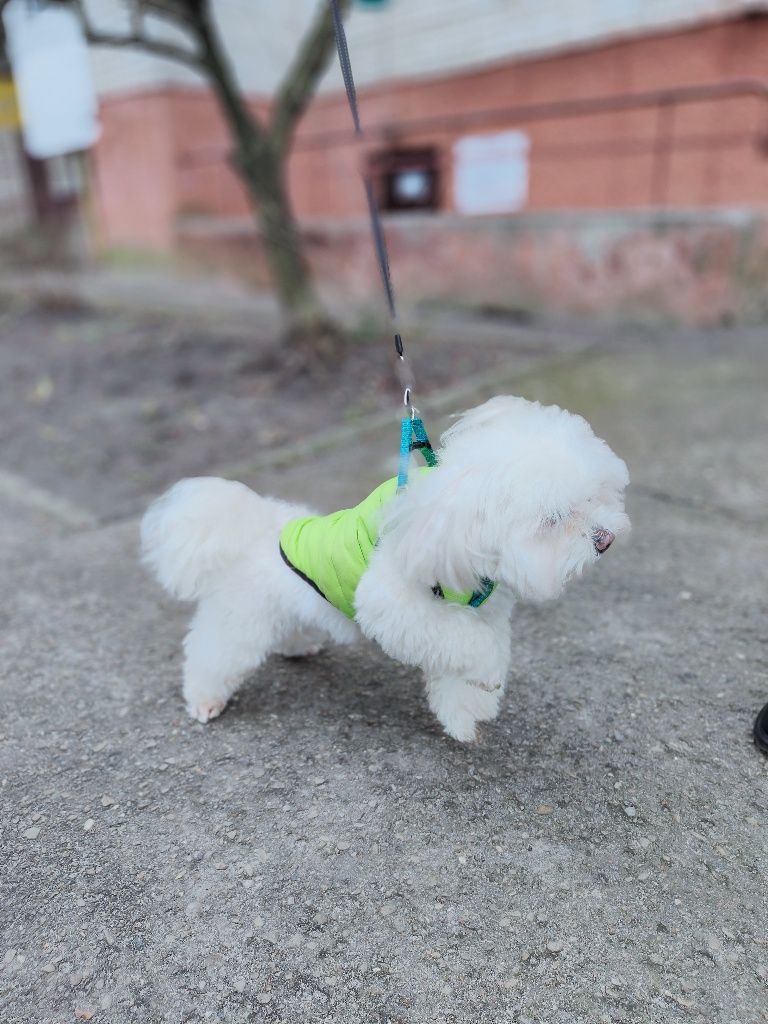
[[490, 172], [51, 69]]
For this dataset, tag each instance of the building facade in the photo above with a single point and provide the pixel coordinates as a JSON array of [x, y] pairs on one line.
[[484, 118]]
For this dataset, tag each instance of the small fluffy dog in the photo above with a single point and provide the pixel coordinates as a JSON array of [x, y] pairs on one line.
[[522, 498]]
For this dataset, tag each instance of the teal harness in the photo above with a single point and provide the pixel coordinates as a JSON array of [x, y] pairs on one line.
[[331, 552]]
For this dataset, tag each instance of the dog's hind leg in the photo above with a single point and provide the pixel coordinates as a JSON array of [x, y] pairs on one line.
[[220, 649]]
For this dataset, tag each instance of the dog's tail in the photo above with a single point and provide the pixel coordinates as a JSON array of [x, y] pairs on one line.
[[199, 529]]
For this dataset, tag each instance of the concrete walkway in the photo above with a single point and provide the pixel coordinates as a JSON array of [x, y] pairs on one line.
[[323, 852]]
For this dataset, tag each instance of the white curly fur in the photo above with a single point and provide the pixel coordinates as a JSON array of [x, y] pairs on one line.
[[518, 494]]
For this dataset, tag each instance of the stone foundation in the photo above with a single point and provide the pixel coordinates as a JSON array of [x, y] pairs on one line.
[[698, 267]]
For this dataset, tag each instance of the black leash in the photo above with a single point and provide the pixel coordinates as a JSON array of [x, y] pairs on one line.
[[379, 241]]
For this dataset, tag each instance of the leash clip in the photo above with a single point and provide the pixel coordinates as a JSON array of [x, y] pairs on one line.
[[405, 375]]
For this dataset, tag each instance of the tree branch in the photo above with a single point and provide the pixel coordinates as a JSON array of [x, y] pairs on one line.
[[299, 82], [167, 11], [245, 126], [137, 39]]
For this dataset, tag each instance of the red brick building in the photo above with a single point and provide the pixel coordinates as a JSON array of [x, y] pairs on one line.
[[655, 145]]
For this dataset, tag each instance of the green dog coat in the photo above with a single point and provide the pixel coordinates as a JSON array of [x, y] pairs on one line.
[[331, 552]]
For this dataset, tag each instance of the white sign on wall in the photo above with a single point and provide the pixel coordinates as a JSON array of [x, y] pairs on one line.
[[490, 172], [49, 59]]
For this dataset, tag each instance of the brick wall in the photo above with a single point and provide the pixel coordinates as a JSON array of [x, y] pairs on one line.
[[699, 267], [672, 121]]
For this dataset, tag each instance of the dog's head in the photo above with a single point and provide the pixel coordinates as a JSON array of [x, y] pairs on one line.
[[524, 494]]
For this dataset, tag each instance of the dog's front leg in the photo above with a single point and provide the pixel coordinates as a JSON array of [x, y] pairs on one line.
[[459, 700], [463, 652], [459, 705]]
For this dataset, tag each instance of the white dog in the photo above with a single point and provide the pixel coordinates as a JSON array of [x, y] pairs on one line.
[[523, 497]]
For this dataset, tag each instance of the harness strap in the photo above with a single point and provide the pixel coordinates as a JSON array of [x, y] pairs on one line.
[[475, 599], [413, 437], [422, 442], [480, 596]]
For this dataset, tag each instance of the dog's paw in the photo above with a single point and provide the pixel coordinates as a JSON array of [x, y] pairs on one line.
[[206, 710], [461, 727], [459, 705]]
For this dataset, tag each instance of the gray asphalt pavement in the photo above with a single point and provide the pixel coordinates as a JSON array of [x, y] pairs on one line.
[[322, 852]]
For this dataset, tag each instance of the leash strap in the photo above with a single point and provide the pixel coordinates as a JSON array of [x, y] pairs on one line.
[[346, 64], [380, 245], [379, 241], [413, 434]]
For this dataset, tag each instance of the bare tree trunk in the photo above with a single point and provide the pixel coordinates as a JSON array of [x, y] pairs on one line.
[[307, 324], [260, 150], [260, 159]]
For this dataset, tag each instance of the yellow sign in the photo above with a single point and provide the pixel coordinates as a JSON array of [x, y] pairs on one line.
[[9, 111]]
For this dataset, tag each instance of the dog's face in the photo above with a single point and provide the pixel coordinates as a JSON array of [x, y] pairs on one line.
[[539, 556], [524, 494], [555, 502]]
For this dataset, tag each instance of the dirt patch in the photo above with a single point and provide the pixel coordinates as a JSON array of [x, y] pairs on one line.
[[107, 409]]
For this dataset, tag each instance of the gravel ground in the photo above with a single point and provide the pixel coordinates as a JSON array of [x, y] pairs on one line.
[[322, 852]]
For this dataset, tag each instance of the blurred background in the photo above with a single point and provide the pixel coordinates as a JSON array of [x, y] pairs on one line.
[[188, 280], [588, 157]]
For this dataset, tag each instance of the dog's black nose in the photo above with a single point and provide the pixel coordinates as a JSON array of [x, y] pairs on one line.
[[602, 540]]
